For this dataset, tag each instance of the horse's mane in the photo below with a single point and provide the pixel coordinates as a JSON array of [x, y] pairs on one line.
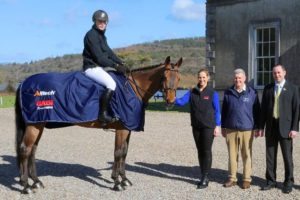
[[146, 68]]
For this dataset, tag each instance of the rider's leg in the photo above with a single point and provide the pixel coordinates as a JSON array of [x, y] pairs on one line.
[[104, 116], [102, 77]]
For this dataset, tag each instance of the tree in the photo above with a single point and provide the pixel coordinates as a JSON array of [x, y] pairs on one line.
[[10, 88], [143, 59]]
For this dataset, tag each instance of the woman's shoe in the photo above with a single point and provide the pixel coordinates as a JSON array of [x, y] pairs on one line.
[[203, 183]]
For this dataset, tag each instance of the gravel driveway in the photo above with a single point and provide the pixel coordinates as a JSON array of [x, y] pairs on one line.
[[75, 163]]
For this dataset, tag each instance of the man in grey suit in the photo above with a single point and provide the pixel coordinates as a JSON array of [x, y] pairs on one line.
[[279, 117]]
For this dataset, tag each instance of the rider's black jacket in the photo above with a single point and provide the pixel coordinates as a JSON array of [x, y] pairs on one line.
[[96, 51]]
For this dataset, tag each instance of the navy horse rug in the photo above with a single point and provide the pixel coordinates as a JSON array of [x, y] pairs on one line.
[[69, 98]]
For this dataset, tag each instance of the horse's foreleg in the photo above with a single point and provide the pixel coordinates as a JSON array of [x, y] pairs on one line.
[[116, 171], [120, 146], [125, 181]]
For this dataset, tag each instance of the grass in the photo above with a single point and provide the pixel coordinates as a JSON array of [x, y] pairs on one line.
[[161, 106], [7, 101]]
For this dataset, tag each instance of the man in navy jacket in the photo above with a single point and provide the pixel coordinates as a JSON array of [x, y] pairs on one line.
[[240, 117]]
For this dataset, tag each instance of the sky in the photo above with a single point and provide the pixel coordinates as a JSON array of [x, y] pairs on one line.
[[36, 29]]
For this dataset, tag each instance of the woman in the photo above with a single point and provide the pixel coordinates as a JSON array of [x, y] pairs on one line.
[[205, 121], [99, 58]]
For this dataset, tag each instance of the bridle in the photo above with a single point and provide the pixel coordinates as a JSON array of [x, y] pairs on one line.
[[171, 86], [165, 87]]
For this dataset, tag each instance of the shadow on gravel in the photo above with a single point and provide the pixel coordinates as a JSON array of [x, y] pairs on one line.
[[184, 173], [297, 187], [8, 172], [10, 175]]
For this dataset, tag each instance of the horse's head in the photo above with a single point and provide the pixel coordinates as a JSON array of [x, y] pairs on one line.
[[171, 80]]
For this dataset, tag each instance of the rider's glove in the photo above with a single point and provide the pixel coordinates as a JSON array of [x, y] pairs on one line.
[[122, 69]]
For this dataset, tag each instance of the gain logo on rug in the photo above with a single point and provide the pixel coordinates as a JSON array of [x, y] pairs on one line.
[[44, 104]]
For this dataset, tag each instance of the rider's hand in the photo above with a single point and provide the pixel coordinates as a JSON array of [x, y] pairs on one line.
[[122, 69]]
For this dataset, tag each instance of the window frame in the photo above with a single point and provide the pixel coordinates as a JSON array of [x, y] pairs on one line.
[[253, 48]]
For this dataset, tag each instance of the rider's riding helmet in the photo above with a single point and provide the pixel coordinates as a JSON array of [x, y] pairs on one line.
[[100, 15]]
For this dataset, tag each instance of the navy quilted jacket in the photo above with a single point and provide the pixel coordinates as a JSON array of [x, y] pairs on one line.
[[240, 111]]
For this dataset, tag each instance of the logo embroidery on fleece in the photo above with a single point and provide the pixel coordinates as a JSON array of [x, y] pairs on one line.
[[246, 99], [206, 97]]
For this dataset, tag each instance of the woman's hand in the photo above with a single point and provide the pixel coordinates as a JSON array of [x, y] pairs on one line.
[[217, 131]]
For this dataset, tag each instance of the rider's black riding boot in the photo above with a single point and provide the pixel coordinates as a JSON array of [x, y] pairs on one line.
[[104, 116]]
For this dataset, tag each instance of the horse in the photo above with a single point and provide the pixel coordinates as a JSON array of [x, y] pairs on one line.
[[144, 81]]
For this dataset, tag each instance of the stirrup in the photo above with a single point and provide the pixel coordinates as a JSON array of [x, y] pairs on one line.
[[104, 121]]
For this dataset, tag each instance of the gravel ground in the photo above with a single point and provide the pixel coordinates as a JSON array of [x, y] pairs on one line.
[[75, 163]]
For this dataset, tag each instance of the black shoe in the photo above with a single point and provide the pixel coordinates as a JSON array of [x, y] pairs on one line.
[[203, 183], [287, 188], [269, 186], [104, 116]]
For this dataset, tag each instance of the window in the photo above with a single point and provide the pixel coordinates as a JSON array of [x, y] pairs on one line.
[[264, 50]]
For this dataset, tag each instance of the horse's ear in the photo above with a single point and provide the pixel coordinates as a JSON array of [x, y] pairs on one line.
[[179, 62], [168, 60]]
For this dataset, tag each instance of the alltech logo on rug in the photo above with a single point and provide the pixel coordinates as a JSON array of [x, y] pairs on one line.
[[44, 93], [44, 103]]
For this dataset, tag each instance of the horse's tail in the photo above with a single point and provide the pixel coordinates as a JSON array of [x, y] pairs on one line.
[[20, 125]]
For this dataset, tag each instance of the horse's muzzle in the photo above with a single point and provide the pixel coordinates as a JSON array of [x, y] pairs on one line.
[[169, 106]]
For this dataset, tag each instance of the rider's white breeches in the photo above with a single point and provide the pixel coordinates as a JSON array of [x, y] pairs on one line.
[[99, 75]]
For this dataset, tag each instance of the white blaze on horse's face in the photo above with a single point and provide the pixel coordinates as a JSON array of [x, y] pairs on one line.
[[171, 81]]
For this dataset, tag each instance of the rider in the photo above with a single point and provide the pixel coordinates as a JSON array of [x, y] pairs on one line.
[[98, 58]]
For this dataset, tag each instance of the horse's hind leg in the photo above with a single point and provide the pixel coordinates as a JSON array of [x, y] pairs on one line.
[[27, 161], [32, 164], [24, 168], [120, 146]]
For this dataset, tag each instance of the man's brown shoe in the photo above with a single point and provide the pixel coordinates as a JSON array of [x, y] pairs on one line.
[[246, 184], [229, 183]]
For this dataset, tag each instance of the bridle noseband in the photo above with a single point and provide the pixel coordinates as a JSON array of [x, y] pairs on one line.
[[165, 87], [168, 87]]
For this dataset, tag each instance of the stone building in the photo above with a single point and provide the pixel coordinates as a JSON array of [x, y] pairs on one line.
[[253, 35]]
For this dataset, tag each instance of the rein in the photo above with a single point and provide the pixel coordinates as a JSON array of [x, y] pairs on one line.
[[139, 89]]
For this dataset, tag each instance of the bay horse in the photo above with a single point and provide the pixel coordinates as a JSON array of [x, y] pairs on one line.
[[145, 83]]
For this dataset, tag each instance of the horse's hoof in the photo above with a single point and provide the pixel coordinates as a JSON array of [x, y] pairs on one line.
[[118, 187], [23, 183], [38, 185], [27, 190], [126, 183]]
